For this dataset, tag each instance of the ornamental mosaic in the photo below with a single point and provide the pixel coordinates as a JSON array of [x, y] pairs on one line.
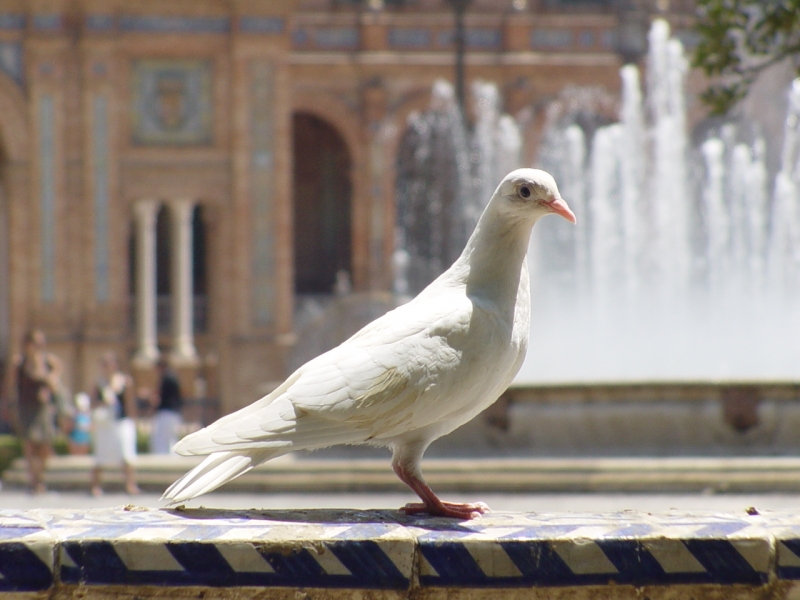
[[11, 60], [171, 102]]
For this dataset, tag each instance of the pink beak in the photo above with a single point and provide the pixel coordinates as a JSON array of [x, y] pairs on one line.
[[559, 207]]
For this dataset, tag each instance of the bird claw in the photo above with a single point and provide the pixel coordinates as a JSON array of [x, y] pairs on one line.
[[453, 510], [414, 508]]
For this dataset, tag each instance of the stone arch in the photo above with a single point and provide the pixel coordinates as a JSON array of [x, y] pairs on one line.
[[322, 194], [200, 267], [332, 109], [336, 111]]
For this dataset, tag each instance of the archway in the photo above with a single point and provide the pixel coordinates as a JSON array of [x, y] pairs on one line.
[[164, 270], [199, 270], [322, 200]]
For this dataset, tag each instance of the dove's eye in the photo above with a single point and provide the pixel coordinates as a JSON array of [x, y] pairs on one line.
[[525, 191]]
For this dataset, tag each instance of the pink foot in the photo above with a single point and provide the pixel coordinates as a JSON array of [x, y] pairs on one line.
[[454, 510], [430, 502]]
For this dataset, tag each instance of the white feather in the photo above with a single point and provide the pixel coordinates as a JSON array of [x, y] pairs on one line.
[[218, 468]]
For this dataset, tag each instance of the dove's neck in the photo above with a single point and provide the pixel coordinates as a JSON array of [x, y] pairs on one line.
[[494, 257]]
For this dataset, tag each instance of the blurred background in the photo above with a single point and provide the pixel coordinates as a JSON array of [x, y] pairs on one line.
[[239, 185]]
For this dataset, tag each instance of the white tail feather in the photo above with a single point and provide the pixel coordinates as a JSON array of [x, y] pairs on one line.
[[217, 469]]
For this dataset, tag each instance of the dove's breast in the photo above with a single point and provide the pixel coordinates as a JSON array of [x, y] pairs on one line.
[[494, 354], [481, 355]]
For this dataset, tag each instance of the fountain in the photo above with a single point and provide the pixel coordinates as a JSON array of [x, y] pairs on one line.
[[667, 321], [685, 265], [445, 178], [685, 262]]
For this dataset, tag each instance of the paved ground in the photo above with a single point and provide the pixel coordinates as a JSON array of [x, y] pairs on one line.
[[500, 502]]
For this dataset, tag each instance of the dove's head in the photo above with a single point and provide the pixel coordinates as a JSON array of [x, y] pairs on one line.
[[532, 193]]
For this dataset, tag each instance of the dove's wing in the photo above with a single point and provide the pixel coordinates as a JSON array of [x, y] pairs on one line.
[[367, 388]]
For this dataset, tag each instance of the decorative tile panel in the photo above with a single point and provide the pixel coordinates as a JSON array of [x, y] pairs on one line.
[[483, 38], [327, 38], [101, 191], [404, 37], [551, 38], [11, 61], [261, 25], [586, 38], [162, 24], [47, 196], [11, 21], [99, 23], [172, 102], [48, 22], [262, 190], [336, 37]]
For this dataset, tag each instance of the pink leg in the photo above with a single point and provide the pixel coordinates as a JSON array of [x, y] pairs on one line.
[[430, 502]]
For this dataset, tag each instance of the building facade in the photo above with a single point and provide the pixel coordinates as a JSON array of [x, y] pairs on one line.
[[175, 175]]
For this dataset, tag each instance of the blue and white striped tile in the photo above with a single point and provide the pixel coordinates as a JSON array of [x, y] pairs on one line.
[[376, 549], [173, 550], [26, 553], [785, 527], [626, 548]]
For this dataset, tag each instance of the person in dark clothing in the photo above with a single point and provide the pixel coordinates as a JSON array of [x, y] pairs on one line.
[[167, 419], [38, 382]]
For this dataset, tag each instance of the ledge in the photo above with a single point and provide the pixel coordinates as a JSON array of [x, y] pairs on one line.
[[225, 553], [502, 474]]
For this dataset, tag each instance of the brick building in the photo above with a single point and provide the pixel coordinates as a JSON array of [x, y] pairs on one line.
[[159, 160]]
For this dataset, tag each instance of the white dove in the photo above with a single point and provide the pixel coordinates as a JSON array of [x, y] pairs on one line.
[[409, 377]]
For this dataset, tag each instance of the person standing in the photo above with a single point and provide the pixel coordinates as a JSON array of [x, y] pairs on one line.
[[80, 434], [38, 375], [114, 424], [167, 418]]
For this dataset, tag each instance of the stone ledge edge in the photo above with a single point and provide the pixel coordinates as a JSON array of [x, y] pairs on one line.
[[383, 550]]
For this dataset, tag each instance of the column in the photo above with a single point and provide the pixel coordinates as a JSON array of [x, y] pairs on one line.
[[145, 213], [183, 350]]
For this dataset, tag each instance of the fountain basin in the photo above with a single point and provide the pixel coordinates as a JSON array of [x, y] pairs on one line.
[[636, 418]]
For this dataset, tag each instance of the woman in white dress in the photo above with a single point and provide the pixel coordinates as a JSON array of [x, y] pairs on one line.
[[114, 425]]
